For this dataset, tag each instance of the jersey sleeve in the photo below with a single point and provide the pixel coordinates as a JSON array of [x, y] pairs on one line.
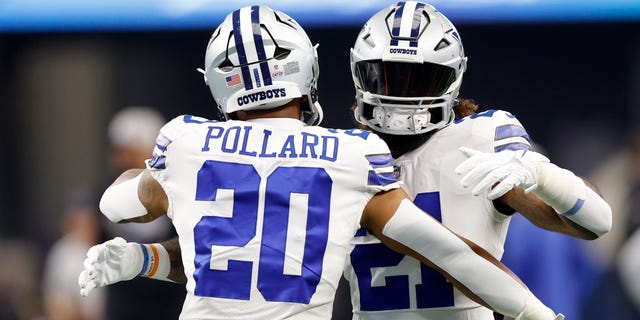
[[509, 133], [168, 133], [382, 175]]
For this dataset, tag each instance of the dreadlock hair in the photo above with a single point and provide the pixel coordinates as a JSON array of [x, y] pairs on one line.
[[465, 107]]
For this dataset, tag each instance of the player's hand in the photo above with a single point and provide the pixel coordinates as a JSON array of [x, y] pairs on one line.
[[497, 173], [110, 262]]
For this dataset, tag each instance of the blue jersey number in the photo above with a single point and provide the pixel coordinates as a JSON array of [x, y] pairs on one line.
[[434, 291], [240, 228]]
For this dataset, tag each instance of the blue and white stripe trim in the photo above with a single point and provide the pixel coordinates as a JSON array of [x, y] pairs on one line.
[[511, 137], [380, 160], [381, 173], [407, 22], [158, 159], [145, 260], [576, 207], [247, 34]]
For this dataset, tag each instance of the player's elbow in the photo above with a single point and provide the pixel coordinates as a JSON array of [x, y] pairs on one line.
[[605, 222], [107, 206], [120, 201], [598, 222]]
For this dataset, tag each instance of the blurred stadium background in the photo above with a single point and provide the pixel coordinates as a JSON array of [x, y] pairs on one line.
[[570, 71]]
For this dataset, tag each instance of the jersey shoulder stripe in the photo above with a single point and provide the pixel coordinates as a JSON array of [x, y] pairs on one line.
[[168, 133], [511, 137]]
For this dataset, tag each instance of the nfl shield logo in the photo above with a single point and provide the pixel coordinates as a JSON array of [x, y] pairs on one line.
[[397, 171]]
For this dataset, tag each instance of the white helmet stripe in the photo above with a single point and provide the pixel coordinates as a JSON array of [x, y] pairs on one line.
[[415, 24], [246, 33], [242, 56], [257, 39], [251, 33], [406, 23]]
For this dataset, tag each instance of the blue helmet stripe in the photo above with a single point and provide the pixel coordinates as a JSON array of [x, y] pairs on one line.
[[242, 55], [395, 31], [257, 38], [415, 26]]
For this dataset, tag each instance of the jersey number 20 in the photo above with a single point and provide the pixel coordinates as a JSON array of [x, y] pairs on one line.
[[240, 228]]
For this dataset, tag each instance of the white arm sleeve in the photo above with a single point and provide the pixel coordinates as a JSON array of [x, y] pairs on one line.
[[413, 228], [121, 201], [569, 196]]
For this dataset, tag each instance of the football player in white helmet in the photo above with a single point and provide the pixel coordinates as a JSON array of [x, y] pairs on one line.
[[266, 207], [471, 171]]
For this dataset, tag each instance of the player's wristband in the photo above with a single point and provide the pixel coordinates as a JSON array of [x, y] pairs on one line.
[[155, 262], [121, 201], [568, 195]]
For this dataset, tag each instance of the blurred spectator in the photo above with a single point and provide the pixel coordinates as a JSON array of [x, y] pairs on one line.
[[618, 179], [81, 230], [132, 133], [19, 281], [617, 295], [559, 269], [628, 268]]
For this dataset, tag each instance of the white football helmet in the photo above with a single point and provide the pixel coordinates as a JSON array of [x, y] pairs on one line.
[[407, 65], [260, 58]]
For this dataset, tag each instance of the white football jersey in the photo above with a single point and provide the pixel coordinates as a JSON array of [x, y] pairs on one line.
[[266, 211], [388, 285]]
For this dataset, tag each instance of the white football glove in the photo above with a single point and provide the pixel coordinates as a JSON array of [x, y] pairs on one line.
[[110, 262], [503, 171]]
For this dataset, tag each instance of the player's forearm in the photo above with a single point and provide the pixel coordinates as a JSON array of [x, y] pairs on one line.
[[540, 214], [120, 202], [176, 268], [134, 197], [572, 198]]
